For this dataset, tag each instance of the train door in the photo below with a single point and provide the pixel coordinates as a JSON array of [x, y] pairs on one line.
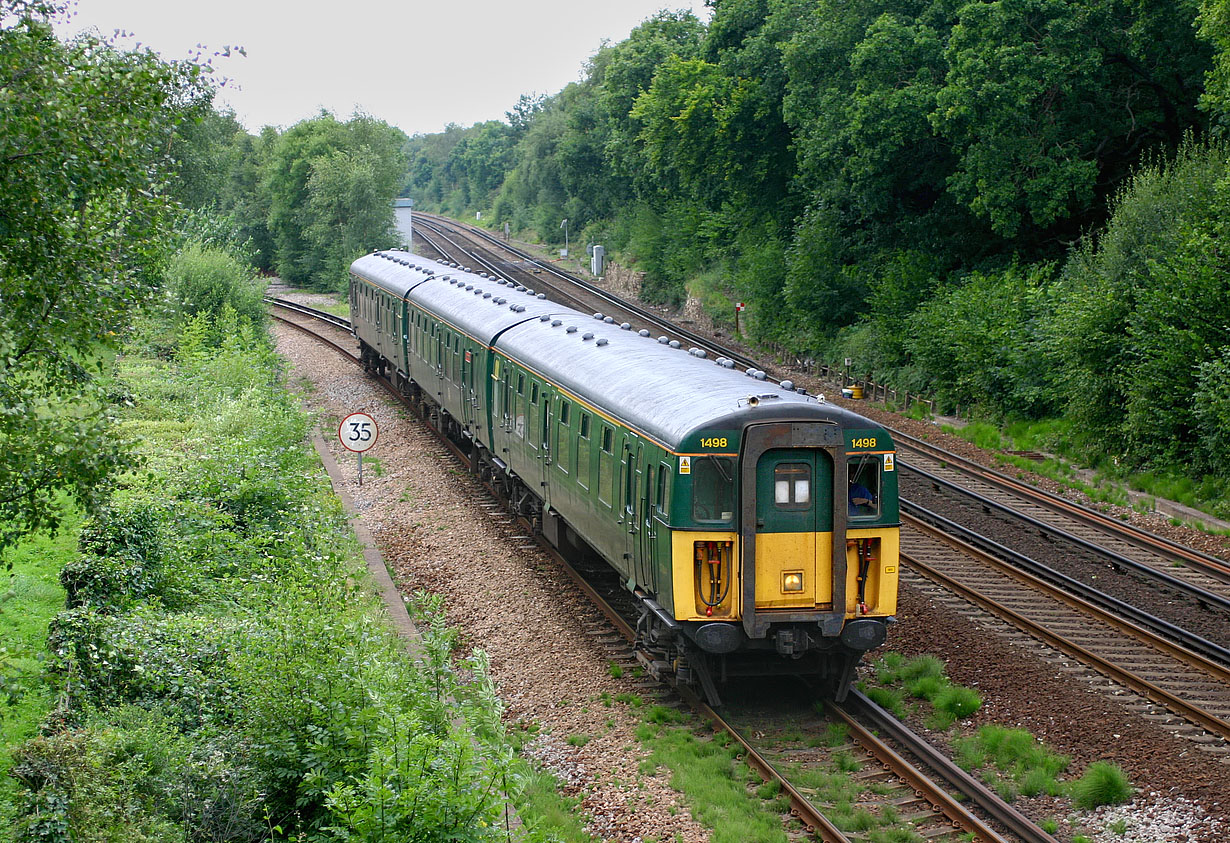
[[794, 524], [437, 361], [542, 431], [634, 504], [469, 397], [655, 545]]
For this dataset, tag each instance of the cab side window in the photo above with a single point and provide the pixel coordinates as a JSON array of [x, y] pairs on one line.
[[713, 489], [863, 486]]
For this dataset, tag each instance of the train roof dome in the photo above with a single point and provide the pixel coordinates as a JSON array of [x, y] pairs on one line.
[[661, 390]]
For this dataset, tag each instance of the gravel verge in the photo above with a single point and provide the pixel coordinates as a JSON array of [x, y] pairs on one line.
[[503, 595]]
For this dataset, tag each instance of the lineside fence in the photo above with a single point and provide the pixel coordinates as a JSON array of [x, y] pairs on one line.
[[872, 391]]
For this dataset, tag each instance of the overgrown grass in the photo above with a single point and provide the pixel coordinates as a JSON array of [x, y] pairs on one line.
[[30, 596], [714, 783], [921, 678], [225, 666], [1013, 761], [1102, 784]]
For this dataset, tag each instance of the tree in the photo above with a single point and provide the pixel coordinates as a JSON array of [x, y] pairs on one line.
[[304, 252], [348, 211], [1143, 306], [84, 226], [1048, 103]]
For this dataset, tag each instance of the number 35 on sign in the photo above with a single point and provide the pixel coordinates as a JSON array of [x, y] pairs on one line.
[[358, 432]]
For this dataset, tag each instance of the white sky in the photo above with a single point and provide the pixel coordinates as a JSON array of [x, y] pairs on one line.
[[417, 64]]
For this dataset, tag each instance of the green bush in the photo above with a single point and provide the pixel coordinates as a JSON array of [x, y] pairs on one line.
[[889, 700], [123, 551], [925, 687], [921, 667], [1102, 784], [957, 700], [205, 279], [228, 672]]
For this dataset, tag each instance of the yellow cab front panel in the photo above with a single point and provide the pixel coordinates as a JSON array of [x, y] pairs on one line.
[[794, 526]]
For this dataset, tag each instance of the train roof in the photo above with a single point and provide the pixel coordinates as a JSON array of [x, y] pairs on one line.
[[479, 305], [663, 391]]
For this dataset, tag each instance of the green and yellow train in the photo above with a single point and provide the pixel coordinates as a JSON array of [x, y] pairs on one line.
[[755, 525]]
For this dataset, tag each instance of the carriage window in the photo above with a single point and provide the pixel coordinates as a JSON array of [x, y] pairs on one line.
[[583, 452], [664, 475], [606, 466], [563, 450], [792, 485], [863, 485], [534, 393], [520, 384], [713, 489]]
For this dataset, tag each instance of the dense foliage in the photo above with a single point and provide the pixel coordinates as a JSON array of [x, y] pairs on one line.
[[993, 202], [84, 219], [227, 672]]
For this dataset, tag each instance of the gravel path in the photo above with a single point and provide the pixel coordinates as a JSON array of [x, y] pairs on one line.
[[505, 596]]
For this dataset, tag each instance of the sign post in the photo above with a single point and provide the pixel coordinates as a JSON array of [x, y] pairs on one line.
[[358, 433], [738, 309]]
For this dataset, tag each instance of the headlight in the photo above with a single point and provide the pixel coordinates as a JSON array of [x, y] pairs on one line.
[[792, 581]]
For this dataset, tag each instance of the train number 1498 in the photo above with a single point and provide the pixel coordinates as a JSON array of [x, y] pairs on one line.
[[715, 442], [866, 442]]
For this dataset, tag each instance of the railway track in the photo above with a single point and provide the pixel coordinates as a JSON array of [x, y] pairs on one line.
[[1117, 539], [924, 802], [573, 291], [1165, 662], [1176, 668], [1176, 679]]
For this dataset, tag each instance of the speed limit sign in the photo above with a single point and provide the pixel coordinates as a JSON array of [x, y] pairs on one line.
[[357, 432]]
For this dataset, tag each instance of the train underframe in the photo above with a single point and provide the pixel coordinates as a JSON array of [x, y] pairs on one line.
[[669, 650]]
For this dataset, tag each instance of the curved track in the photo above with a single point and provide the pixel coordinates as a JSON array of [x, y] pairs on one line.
[[1158, 657], [567, 289], [930, 806]]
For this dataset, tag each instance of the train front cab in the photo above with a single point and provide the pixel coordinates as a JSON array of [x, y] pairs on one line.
[[811, 494]]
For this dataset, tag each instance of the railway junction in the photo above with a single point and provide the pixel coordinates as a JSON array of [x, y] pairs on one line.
[[1176, 757]]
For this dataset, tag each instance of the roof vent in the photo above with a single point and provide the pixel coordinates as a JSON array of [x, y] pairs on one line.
[[485, 295], [529, 290], [675, 344], [571, 329], [546, 317], [602, 341], [749, 372], [520, 289], [482, 275], [698, 352], [542, 296], [555, 323], [469, 286], [609, 320], [787, 385], [663, 340], [644, 332], [727, 363], [759, 374], [598, 316], [624, 326], [588, 335]]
